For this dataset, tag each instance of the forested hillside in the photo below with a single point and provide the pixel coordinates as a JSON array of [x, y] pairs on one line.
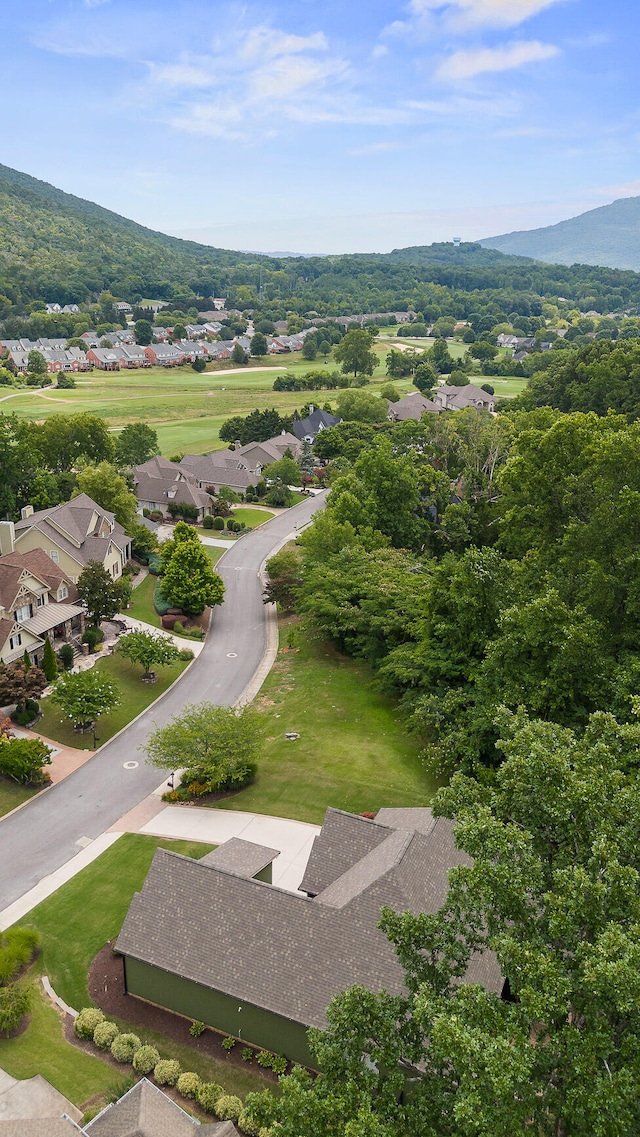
[[609, 235], [57, 247]]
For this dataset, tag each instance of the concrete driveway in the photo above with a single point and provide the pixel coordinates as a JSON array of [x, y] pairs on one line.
[[215, 826], [51, 829]]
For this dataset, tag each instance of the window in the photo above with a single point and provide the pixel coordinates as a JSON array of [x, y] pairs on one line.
[[15, 641], [23, 613], [55, 555], [42, 600], [63, 592]]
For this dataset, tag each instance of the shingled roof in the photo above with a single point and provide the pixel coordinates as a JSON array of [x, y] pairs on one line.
[[144, 1111], [242, 858], [286, 953]]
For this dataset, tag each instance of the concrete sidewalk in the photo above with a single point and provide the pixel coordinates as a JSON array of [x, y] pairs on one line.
[[215, 826]]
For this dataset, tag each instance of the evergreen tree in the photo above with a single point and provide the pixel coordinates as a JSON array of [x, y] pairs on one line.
[[49, 662]]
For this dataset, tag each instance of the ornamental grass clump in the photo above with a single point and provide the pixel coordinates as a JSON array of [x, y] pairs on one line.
[[229, 1107], [124, 1047], [167, 1071], [104, 1035], [17, 947], [208, 1095], [188, 1084], [145, 1059], [87, 1021]]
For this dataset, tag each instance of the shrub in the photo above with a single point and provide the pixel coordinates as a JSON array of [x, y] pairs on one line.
[[65, 381], [145, 1059], [208, 522], [247, 1054], [208, 1095], [17, 946], [124, 1047], [155, 564], [178, 628], [27, 714], [279, 1063], [161, 605], [231, 525], [264, 1059], [87, 1022], [228, 1043], [229, 1107], [93, 637], [156, 515], [218, 523], [185, 654], [104, 1034], [66, 656], [167, 1071], [188, 1084], [247, 1125], [197, 1028], [15, 1001]]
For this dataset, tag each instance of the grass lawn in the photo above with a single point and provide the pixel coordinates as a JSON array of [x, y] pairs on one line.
[[11, 794], [251, 516], [43, 1049], [141, 604], [214, 552], [135, 696], [74, 924], [353, 752]]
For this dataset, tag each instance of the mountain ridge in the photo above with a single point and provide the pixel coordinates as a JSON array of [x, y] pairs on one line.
[[608, 235]]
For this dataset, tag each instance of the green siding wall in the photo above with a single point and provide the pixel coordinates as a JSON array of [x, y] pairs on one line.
[[265, 874], [242, 1020]]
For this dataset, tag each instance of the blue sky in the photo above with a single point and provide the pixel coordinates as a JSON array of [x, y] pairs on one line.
[[325, 126]]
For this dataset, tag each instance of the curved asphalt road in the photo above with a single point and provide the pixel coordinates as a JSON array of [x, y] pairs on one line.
[[43, 835]]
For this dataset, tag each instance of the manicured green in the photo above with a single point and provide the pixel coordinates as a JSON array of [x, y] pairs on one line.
[[141, 606], [74, 923], [134, 694], [11, 794], [353, 752], [42, 1049]]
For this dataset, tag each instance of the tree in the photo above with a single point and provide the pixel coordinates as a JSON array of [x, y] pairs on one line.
[[199, 364], [17, 684], [37, 363], [285, 469], [551, 886], [388, 391], [360, 406], [22, 759], [104, 485], [143, 541], [182, 532], [259, 345], [85, 695], [216, 746], [279, 495], [136, 443], [238, 354], [284, 571], [310, 348], [49, 661], [483, 350], [62, 442], [143, 332], [179, 332], [440, 358], [98, 591], [148, 650], [425, 378], [399, 363], [354, 353], [189, 581]]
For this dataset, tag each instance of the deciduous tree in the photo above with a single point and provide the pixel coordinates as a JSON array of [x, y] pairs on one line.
[[216, 746], [85, 695], [148, 650], [99, 592]]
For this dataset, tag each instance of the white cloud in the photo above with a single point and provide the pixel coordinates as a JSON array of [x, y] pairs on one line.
[[481, 13], [467, 63]]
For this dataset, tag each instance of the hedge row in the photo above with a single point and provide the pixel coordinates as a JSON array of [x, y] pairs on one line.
[[127, 1048]]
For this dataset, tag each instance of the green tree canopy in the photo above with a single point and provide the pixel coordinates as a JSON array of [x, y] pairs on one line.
[[104, 485], [143, 331], [216, 746], [99, 592], [148, 650], [23, 759], [259, 344], [189, 581], [136, 443], [354, 353], [85, 695], [360, 406]]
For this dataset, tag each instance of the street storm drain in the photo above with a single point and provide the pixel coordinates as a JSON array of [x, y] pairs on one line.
[[130, 765]]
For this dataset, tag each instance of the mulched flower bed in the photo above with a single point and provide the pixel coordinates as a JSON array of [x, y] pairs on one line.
[[106, 988]]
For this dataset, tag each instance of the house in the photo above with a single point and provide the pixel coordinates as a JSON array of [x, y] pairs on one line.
[[164, 354], [158, 483], [104, 357], [74, 533], [414, 406], [307, 428], [450, 398], [122, 306], [131, 355], [209, 940], [52, 309], [145, 1111], [213, 471], [37, 599], [218, 303]]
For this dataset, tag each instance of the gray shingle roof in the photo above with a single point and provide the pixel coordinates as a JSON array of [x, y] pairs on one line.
[[285, 953], [144, 1111], [69, 526], [40, 1127], [242, 858], [412, 407]]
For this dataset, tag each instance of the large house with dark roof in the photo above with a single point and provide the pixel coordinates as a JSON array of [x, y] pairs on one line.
[[74, 533], [413, 406], [307, 429], [450, 398], [158, 483], [213, 940]]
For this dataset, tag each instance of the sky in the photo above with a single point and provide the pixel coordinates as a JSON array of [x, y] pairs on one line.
[[326, 126]]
